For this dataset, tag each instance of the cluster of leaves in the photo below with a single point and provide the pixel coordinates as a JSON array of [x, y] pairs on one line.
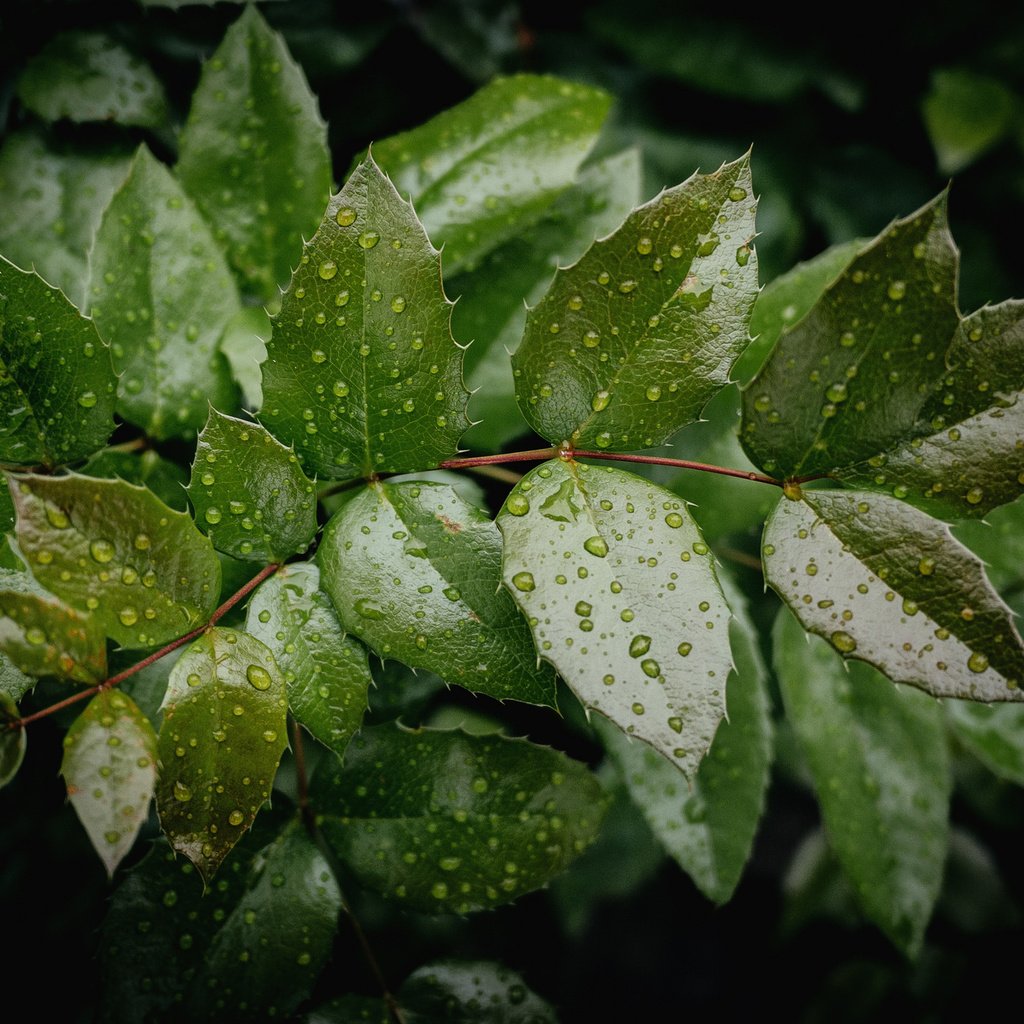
[[880, 412]]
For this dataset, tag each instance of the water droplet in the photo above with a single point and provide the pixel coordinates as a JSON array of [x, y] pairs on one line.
[[583, 608], [236, 818], [439, 891], [653, 393], [517, 504], [644, 246], [368, 239], [639, 645], [258, 676], [897, 290], [128, 616], [926, 566], [345, 216], [182, 793], [674, 520], [625, 287], [57, 518], [328, 268], [600, 401], [977, 662], [736, 193], [843, 642], [87, 399], [212, 515], [638, 708], [524, 581], [651, 667], [102, 551], [368, 608], [974, 495], [675, 724], [270, 735], [597, 546], [35, 636]]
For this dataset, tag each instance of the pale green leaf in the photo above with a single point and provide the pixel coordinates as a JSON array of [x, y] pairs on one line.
[[13, 682], [621, 595], [994, 733], [13, 739], [363, 375], [244, 344], [110, 769], [652, 318]]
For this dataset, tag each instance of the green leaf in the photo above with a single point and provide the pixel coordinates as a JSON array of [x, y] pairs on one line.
[[161, 294], [166, 479], [253, 154], [620, 592], [652, 317], [52, 201], [444, 822], [709, 827], [993, 733], [110, 769], [327, 673], [889, 585], [87, 76], [881, 771], [414, 571], [221, 739], [484, 170], [13, 741], [363, 375], [144, 571], [13, 682], [57, 383], [249, 492], [244, 344], [999, 542]]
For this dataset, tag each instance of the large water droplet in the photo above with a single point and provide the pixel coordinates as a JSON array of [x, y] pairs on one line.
[[524, 581], [258, 676], [596, 546], [102, 551]]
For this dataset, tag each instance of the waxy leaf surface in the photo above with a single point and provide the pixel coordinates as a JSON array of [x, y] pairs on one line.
[[363, 375], [621, 595]]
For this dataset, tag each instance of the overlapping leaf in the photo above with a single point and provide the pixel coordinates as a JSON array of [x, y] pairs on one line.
[[994, 733], [621, 595], [363, 375], [414, 571], [13, 741], [651, 319], [166, 479]]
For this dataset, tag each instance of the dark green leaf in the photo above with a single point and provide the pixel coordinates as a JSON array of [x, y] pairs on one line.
[[249, 492], [110, 769], [166, 479], [220, 743], [620, 592], [253, 154], [161, 294], [482, 171], [414, 571], [244, 344], [477, 36], [652, 318], [327, 673], [993, 733], [13, 741], [57, 383], [444, 822], [363, 375], [881, 771], [87, 76], [889, 585], [144, 571]]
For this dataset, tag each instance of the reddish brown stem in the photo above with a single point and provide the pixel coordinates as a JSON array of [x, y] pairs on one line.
[[534, 455], [658, 460], [299, 753]]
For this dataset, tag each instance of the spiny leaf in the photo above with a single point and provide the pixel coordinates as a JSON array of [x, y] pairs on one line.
[[994, 733], [110, 768], [13, 742], [57, 383], [620, 593], [249, 492], [889, 585], [327, 673], [444, 822], [482, 171], [13, 682], [363, 375], [222, 737], [652, 319], [414, 571], [144, 571], [253, 153], [879, 761], [161, 294]]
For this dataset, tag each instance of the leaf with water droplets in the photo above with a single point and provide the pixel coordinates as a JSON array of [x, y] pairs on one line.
[[326, 672], [414, 571], [889, 585], [653, 318], [110, 769], [363, 375], [994, 733], [881, 771], [253, 154], [620, 592], [222, 736], [13, 741], [13, 682], [444, 822], [161, 294], [166, 479], [484, 170], [709, 826], [88, 76], [57, 383], [111, 548], [250, 495]]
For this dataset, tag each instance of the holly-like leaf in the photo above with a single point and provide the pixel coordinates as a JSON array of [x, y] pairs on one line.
[[250, 494], [414, 571], [13, 739], [57, 383], [880, 766], [363, 375], [52, 201], [994, 733], [482, 171], [161, 293], [244, 344], [222, 736], [88, 76], [253, 154], [709, 826], [111, 548], [444, 822], [621, 595], [889, 585], [110, 769], [327, 674], [166, 479], [13, 682], [652, 317]]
